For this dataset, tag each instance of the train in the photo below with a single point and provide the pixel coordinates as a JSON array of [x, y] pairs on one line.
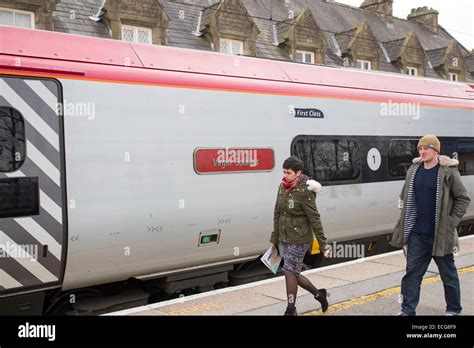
[[155, 169]]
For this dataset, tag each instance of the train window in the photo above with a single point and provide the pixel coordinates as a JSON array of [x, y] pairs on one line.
[[400, 156], [465, 151], [329, 160], [19, 197], [12, 139]]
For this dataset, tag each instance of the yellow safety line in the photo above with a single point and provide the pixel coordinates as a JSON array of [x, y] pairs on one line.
[[378, 295], [194, 309]]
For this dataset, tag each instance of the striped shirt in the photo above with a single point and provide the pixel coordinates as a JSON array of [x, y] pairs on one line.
[[425, 186]]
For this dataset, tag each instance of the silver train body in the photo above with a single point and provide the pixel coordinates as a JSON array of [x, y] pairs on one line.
[[132, 204], [131, 168]]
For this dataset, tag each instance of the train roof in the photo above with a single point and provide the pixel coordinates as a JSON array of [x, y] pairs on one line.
[[53, 46]]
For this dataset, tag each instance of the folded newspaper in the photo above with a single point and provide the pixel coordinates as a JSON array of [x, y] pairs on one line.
[[272, 259]]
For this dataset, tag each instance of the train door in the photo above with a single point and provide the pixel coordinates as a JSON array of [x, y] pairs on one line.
[[33, 230]]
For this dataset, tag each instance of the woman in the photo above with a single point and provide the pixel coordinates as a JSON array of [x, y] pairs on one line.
[[295, 220]]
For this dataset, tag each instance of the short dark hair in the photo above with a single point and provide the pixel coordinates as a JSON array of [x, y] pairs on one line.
[[293, 163]]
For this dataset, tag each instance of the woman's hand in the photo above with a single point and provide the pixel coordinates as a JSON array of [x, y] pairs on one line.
[[276, 247], [327, 252]]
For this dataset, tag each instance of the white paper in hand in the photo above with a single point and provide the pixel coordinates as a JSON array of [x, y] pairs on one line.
[[272, 259]]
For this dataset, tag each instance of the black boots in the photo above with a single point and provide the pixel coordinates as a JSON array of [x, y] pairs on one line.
[[290, 311], [322, 296]]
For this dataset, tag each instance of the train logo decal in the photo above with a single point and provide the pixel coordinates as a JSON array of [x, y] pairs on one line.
[[231, 160], [305, 113]]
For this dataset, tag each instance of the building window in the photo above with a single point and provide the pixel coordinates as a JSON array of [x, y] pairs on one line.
[[136, 34], [329, 160], [12, 139], [305, 57], [411, 71], [16, 18], [364, 64], [453, 77], [465, 151], [234, 47], [400, 156]]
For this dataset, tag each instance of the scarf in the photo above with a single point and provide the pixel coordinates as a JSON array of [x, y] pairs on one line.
[[289, 186]]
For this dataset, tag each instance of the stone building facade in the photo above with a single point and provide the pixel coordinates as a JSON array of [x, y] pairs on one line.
[[304, 31]]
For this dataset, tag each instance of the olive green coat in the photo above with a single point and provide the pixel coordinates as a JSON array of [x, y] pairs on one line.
[[452, 201], [296, 217]]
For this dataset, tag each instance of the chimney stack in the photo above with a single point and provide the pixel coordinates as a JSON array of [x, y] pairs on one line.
[[426, 16], [383, 7]]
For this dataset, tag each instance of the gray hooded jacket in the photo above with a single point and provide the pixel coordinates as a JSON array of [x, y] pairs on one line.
[[452, 201]]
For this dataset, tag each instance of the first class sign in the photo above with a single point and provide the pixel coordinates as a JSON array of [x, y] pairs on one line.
[[233, 160]]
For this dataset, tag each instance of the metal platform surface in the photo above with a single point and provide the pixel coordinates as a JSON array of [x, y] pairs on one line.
[[368, 286]]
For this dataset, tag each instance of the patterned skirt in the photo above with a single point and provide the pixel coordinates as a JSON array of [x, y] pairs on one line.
[[293, 255]]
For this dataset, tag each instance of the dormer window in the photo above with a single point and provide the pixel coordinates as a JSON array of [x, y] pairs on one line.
[[449, 62], [364, 64], [360, 47], [16, 18], [305, 57], [136, 34], [411, 71], [234, 47], [302, 38], [229, 28]]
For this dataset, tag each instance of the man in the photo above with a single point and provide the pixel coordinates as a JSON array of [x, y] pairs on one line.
[[433, 200]]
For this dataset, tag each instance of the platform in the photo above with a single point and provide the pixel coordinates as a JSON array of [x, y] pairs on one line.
[[368, 286]]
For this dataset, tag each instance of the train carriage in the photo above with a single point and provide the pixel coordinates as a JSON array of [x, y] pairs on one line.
[[124, 161]]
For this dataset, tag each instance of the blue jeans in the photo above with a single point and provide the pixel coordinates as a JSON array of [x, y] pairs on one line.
[[418, 259]]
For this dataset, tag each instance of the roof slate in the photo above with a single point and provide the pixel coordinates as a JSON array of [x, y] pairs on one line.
[[334, 19]]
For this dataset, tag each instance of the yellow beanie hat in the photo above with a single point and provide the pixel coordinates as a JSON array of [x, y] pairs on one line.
[[430, 141]]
